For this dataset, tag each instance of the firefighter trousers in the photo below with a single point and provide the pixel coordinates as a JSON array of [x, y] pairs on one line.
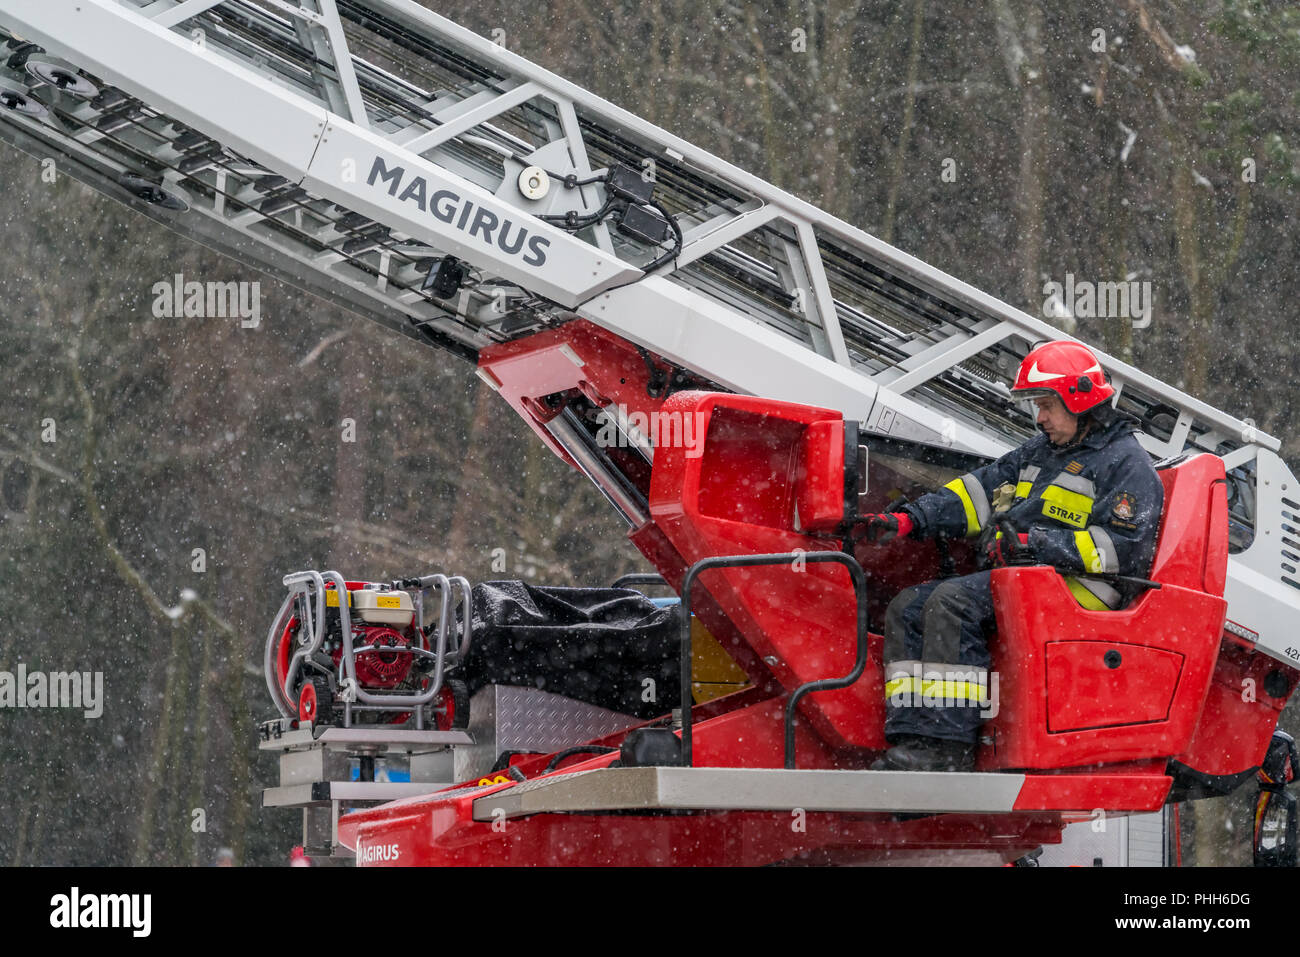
[[937, 658]]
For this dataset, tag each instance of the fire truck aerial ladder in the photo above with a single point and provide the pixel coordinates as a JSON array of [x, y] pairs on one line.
[[610, 280]]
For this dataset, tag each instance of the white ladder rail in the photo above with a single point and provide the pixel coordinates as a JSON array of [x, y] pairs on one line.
[[810, 226]]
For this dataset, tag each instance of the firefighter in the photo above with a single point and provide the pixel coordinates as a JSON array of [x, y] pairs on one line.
[[1082, 496]]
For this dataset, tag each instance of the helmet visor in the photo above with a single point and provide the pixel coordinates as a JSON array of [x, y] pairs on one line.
[[1032, 394], [1025, 399]]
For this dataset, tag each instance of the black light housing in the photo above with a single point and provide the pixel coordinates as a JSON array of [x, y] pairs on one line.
[[626, 183], [651, 747], [445, 278], [644, 225]]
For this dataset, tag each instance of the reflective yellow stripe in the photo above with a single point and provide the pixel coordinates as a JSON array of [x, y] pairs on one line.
[[900, 685], [1072, 508], [1084, 597], [1075, 501], [972, 520], [1023, 489], [953, 690], [934, 688], [1092, 561]]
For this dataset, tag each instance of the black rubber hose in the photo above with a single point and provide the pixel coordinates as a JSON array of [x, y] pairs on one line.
[[552, 764]]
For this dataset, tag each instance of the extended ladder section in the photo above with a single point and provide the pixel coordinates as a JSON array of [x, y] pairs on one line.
[[377, 154]]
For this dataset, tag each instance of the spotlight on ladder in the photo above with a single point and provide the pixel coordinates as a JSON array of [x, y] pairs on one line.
[[166, 195], [61, 75], [16, 99], [445, 277]]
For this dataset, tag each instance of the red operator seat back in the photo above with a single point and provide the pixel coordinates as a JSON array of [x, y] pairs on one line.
[[768, 477], [1077, 687]]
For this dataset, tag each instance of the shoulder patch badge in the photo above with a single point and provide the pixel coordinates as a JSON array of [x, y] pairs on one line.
[[1074, 468], [1125, 507]]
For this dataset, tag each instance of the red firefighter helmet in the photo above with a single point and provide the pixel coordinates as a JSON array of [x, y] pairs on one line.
[[1068, 369]]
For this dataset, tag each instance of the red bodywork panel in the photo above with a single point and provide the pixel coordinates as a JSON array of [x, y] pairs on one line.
[[1140, 690], [1240, 715], [1092, 705], [408, 835], [1083, 687], [579, 355], [737, 498], [441, 830]]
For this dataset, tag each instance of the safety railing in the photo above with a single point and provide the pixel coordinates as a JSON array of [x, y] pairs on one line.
[[451, 640], [794, 560]]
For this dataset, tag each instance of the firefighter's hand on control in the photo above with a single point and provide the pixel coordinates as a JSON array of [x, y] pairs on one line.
[[885, 527], [1009, 550]]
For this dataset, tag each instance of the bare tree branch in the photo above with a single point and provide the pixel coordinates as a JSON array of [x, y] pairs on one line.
[[1169, 51], [1008, 34], [32, 459], [321, 346]]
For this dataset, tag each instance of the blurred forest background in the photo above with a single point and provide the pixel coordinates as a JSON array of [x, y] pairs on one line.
[[1152, 140]]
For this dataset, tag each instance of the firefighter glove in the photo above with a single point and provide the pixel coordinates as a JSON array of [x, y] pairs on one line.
[[887, 526], [1009, 550]]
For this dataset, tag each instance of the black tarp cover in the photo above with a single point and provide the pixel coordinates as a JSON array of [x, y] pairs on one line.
[[598, 645]]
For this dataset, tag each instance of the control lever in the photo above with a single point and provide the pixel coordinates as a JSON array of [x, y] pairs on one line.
[[1015, 553]]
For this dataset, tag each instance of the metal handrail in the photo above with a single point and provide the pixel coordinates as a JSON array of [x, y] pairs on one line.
[[309, 584], [313, 633], [639, 578], [824, 684], [464, 632], [412, 701]]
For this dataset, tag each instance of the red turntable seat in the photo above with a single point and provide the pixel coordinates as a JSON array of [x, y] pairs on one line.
[[1078, 687]]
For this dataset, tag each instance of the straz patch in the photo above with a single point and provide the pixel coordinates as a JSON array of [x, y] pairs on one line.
[[1063, 514], [1125, 507], [1074, 468]]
